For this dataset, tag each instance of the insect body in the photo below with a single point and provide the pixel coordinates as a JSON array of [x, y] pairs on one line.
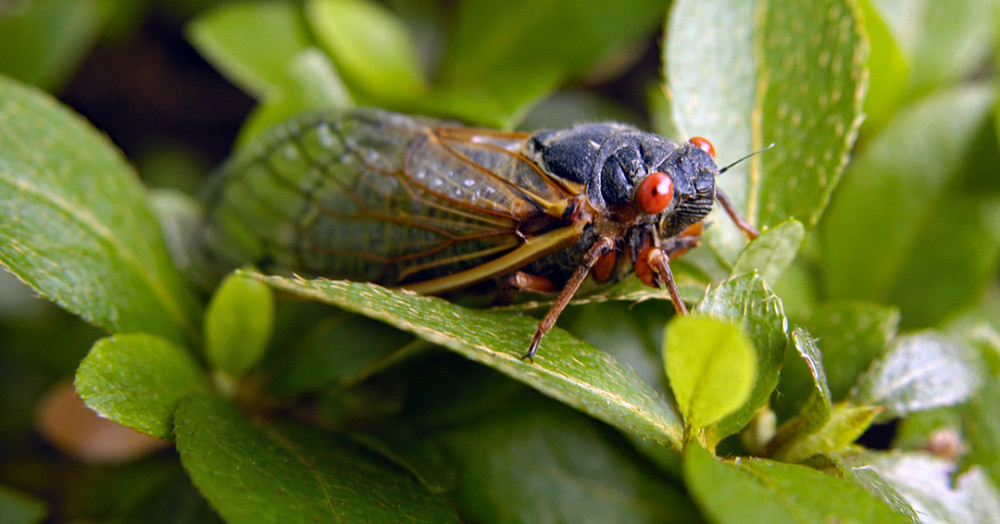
[[434, 207]]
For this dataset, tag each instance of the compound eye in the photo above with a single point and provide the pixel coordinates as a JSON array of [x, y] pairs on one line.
[[654, 194], [702, 143]]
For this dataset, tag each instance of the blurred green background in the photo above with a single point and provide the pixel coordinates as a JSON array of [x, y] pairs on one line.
[[918, 209]]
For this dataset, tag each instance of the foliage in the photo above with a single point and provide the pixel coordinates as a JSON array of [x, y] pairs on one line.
[[869, 299]]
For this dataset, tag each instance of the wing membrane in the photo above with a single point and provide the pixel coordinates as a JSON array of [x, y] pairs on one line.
[[369, 195]]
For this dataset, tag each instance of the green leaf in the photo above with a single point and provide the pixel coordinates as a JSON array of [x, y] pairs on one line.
[[926, 181], [929, 484], [339, 351], [889, 69], [76, 225], [371, 47], [856, 468], [257, 474], [536, 447], [942, 44], [252, 43], [920, 372], [794, 75], [44, 40], [761, 490], [814, 412], [137, 380], [982, 428], [843, 426], [854, 334], [238, 324], [18, 508], [772, 252], [748, 301], [711, 368], [313, 85], [507, 55], [565, 368]]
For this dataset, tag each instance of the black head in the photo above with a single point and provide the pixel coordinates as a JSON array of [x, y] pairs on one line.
[[614, 160]]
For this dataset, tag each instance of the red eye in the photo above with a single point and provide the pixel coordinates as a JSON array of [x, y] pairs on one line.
[[702, 143], [653, 194]]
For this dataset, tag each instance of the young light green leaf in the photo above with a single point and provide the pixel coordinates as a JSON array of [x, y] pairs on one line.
[[794, 75], [772, 252], [137, 380], [565, 368], [843, 426], [920, 372], [814, 412], [371, 47], [238, 324], [749, 302], [711, 367], [927, 179], [761, 490], [252, 43], [76, 225], [253, 474], [928, 484]]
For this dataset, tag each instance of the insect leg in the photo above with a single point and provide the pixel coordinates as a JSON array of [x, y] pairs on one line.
[[534, 283], [727, 204], [658, 259], [602, 246]]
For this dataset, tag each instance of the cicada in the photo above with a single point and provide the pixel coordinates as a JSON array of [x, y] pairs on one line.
[[435, 207]]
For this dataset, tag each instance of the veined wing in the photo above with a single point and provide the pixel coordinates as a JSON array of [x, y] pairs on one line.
[[369, 195]]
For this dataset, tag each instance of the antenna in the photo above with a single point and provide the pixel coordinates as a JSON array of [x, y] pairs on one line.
[[757, 152]]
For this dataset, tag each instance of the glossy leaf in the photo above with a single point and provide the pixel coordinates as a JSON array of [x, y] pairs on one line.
[[371, 47], [252, 43], [238, 324], [928, 484], [137, 380], [711, 368], [853, 334], [919, 203], [772, 252], [767, 491], [749, 302], [920, 372], [564, 368], [814, 412], [76, 225], [794, 75], [856, 468], [256, 474], [537, 446]]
